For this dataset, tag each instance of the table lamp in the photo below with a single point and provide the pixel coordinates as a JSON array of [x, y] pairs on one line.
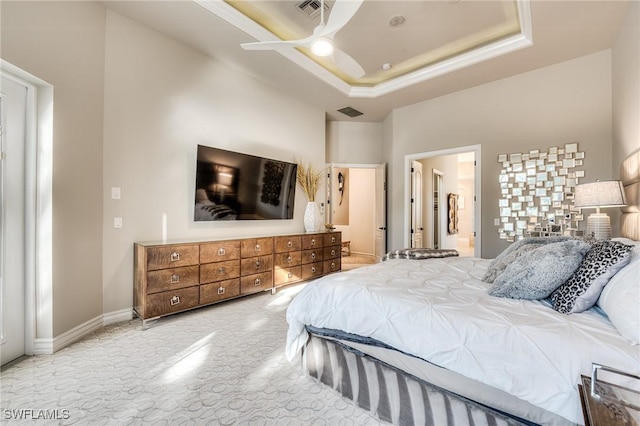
[[599, 194]]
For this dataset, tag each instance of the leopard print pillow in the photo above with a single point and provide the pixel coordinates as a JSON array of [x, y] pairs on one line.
[[582, 289]]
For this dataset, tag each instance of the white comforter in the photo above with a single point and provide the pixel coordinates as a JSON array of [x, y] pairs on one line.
[[439, 310]]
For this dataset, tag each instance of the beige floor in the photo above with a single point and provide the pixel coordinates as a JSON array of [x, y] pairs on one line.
[[355, 260]]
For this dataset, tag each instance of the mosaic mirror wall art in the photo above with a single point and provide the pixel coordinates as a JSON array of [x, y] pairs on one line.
[[537, 191]]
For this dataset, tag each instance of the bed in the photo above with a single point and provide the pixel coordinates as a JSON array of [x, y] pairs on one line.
[[379, 334]]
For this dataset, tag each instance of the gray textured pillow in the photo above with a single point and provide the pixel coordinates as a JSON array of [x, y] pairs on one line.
[[496, 268], [537, 273], [582, 289], [531, 240]]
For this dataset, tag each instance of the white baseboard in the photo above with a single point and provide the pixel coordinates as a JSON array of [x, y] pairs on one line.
[[46, 346], [117, 316]]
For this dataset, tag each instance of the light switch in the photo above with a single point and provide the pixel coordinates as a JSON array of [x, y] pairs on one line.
[[115, 193], [117, 222]]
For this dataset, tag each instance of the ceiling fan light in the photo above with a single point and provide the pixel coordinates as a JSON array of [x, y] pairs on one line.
[[322, 47]]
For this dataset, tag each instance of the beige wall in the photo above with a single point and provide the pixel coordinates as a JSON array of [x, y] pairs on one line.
[[161, 100], [63, 44], [567, 102], [626, 87], [354, 143]]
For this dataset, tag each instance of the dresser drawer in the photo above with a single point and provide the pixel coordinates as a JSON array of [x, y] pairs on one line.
[[172, 278], [287, 275], [331, 252], [219, 251], [214, 292], [256, 247], [312, 241], [332, 239], [332, 265], [168, 302], [286, 260], [311, 270], [310, 256], [172, 256], [254, 265], [219, 271], [288, 243], [256, 282]]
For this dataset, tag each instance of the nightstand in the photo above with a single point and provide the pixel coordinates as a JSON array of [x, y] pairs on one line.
[[606, 404]]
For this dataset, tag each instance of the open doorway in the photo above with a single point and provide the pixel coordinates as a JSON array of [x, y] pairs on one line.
[[357, 208], [442, 207]]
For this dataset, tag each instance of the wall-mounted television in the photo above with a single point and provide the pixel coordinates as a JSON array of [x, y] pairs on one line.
[[235, 186]]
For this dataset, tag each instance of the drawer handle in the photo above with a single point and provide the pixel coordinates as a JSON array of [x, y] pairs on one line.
[[333, 252], [333, 265], [174, 257], [333, 239], [258, 264], [221, 290], [313, 269], [175, 300], [290, 274], [313, 255], [313, 242], [221, 270], [175, 278], [290, 244], [221, 251], [257, 282], [257, 248], [289, 259]]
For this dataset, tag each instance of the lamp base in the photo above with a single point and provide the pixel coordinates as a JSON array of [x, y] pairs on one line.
[[599, 225]]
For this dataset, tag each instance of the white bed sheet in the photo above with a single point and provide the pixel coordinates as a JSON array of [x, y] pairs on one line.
[[439, 310]]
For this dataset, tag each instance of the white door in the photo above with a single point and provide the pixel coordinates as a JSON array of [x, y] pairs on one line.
[[13, 104], [381, 211], [416, 205]]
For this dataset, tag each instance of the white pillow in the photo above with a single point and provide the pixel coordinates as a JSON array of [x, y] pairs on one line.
[[620, 300]]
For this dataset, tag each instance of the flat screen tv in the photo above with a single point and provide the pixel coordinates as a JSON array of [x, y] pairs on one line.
[[235, 186]]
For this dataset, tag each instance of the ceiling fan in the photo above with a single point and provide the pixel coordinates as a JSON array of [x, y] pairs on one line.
[[321, 41]]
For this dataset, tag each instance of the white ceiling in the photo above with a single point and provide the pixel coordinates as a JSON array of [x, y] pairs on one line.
[[559, 31]]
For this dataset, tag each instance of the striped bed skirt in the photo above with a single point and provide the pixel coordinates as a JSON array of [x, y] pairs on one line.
[[390, 394]]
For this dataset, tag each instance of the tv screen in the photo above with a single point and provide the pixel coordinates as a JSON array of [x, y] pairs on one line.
[[235, 186]]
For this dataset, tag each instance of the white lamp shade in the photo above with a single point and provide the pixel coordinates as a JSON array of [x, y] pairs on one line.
[[608, 193]]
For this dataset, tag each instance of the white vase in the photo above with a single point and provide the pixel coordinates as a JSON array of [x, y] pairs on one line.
[[312, 219]]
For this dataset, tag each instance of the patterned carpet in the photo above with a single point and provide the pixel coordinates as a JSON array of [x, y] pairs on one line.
[[356, 260], [220, 365]]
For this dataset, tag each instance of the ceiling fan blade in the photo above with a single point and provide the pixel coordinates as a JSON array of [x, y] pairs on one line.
[[272, 45], [347, 64], [341, 14]]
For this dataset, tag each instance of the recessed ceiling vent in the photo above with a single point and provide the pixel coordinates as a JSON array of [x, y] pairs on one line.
[[311, 8], [351, 112]]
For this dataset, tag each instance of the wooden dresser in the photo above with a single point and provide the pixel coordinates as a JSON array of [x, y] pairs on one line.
[[171, 278]]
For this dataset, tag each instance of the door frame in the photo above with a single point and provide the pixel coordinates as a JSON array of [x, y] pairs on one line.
[[38, 208], [437, 222], [477, 225]]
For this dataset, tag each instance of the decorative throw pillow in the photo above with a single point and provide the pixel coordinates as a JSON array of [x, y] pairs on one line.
[[496, 268], [520, 243], [603, 260], [537, 273], [620, 300]]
